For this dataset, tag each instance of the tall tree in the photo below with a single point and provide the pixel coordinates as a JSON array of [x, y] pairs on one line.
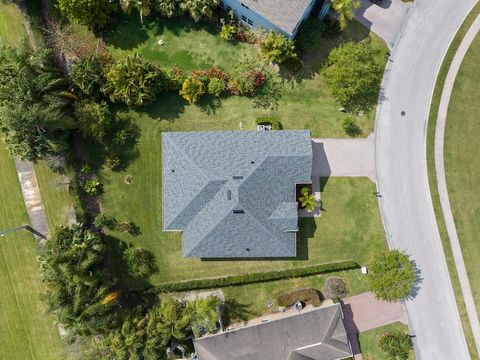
[[345, 10], [168, 8], [34, 116], [277, 48], [199, 9], [143, 6]]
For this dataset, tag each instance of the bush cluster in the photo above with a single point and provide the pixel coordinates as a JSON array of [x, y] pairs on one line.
[[310, 295], [256, 277], [270, 120], [235, 31]]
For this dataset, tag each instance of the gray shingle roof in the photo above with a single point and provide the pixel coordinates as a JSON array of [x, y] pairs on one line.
[[233, 193], [311, 335], [286, 14]]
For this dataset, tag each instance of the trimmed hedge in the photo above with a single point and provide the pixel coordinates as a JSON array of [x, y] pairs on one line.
[[252, 278]]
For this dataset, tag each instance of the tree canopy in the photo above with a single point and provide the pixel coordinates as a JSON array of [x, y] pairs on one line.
[[79, 290], [34, 115], [345, 9], [91, 13], [353, 76], [396, 344], [391, 275]]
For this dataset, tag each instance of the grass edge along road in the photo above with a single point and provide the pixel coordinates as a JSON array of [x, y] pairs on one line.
[[433, 181]]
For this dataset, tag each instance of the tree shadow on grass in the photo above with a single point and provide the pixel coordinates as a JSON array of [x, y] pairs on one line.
[[234, 311], [168, 106]]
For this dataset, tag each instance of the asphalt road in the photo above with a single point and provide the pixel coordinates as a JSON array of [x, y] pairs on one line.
[[406, 204]]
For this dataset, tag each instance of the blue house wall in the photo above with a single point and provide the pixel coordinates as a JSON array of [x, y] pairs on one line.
[[252, 19]]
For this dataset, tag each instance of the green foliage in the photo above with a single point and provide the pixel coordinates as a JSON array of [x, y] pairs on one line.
[[140, 262], [34, 118], [307, 200], [251, 278], [87, 75], [146, 336], [132, 80], [94, 119], [353, 76], [192, 90], [310, 295], [92, 13], [199, 9], [168, 8], [227, 31], [396, 344], [246, 79], [345, 9], [271, 120], [391, 275], [172, 79], [349, 125], [216, 87], [277, 48], [79, 290], [92, 187], [310, 34]]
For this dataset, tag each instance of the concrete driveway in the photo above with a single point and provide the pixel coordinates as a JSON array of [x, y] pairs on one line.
[[384, 19], [344, 157]]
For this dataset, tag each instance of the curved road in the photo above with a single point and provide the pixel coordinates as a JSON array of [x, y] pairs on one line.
[[402, 181]]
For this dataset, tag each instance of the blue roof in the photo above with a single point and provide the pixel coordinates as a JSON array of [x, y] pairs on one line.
[[233, 192]]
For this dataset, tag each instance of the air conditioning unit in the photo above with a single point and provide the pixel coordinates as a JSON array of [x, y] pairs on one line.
[[264, 127]]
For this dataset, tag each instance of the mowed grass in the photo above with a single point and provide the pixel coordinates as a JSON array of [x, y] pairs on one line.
[[350, 227], [305, 101], [368, 342], [12, 31], [55, 197], [251, 300], [26, 331], [462, 164]]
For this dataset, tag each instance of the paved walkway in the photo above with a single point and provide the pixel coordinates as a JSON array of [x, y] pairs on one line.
[[385, 19], [442, 183], [32, 198], [344, 157]]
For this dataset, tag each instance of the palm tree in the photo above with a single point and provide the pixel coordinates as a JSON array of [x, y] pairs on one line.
[[143, 7], [307, 200], [345, 9]]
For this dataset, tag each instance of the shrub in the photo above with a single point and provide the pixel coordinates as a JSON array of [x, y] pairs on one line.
[[56, 162], [391, 275], [168, 8], [247, 83], [113, 162], [309, 295], [227, 32], [277, 48], [199, 9], [92, 13], [307, 200], [353, 76], [132, 80], [216, 87], [349, 125], [396, 344], [273, 121], [92, 187], [335, 288], [251, 278], [140, 262], [94, 119], [173, 79], [192, 90], [87, 74]]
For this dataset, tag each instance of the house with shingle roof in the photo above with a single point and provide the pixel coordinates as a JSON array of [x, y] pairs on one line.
[[233, 193], [283, 16], [317, 334]]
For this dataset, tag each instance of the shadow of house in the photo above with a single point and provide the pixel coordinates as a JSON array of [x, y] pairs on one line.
[[350, 327]]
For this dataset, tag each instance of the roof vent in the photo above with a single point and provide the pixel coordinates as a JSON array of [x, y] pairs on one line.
[[173, 171], [238, 211], [237, 177], [252, 162], [229, 194]]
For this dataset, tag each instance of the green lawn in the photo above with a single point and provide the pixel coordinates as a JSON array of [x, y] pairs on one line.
[[55, 197], [26, 331], [252, 299], [462, 164], [368, 342], [305, 102], [12, 31]]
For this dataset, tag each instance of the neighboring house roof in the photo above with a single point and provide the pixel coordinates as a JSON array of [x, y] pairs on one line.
[[233, 192], [286, 14], [317, 334]]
